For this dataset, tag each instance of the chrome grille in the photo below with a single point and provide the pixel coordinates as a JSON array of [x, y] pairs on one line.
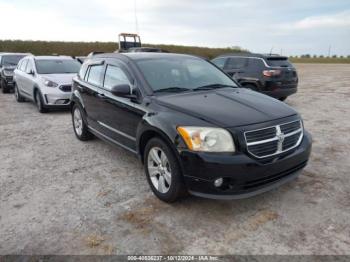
[[274, 140]]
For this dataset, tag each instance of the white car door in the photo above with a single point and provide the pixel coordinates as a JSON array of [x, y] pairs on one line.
[[19, 75], [29, 79]]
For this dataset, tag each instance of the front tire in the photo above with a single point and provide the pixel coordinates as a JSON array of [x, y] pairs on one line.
[[19, 97], [80, 127], [40, 102], [163, 171], [4, 87]]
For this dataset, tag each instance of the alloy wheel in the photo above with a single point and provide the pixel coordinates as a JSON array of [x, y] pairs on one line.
[[78, 122], [159, 169]]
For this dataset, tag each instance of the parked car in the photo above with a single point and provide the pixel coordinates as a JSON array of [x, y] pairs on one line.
[[45, 80], [8, 63], [190, 124], [272, 75], [146, 49]]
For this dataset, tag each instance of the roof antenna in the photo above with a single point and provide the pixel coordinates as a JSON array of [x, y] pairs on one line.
[[136, 21]]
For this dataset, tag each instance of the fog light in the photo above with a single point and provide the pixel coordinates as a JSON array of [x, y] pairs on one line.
[[218, 182]]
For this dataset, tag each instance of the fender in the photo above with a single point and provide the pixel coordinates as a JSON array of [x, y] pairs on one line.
[[76, 98]]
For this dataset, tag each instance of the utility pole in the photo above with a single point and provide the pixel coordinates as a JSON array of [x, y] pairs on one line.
[[136, 21], [329, 50]]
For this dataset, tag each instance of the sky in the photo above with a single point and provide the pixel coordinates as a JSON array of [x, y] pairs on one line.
[[292, 27]]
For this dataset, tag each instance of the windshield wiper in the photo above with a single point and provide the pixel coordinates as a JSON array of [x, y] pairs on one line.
[[212, 86], [174, 89]]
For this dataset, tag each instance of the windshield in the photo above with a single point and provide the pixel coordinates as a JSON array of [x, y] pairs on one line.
[[11, 59], [56, 66], [177, 74], [282, 62]]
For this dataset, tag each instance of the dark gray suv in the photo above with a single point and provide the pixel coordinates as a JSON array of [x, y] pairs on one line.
[[272, 75]]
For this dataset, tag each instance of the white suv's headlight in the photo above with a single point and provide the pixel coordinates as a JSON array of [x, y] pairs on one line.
[[50, 83], [207, 139]]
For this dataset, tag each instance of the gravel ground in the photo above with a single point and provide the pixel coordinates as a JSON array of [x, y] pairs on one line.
[[61, 196]]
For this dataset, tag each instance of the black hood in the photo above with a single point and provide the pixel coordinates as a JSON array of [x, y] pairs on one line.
[[228, 107]]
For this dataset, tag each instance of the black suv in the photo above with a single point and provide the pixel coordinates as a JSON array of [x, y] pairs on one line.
[[8, 63], [272, 75], [193, 128]]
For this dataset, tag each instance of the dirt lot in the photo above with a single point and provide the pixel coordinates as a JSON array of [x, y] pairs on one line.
[[61, 196]]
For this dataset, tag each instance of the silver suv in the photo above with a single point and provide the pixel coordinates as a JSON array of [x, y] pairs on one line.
[[45, 80]]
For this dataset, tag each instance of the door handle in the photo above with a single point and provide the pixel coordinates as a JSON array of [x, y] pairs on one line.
[[102, 96]]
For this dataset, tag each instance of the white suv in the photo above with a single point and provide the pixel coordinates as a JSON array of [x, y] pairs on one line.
[[45, 80]]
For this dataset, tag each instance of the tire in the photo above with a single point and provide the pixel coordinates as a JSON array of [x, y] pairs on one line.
[[163, 172], [18, 96], [40, 102], [80, 127], [282, 98], [251, 87], [4, 87]]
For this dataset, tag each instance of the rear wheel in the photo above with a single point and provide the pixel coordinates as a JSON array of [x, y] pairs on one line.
[[81, 129], [39, 102], [18, 96], [163, 171]]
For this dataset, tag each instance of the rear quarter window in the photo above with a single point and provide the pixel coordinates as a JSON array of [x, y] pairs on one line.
[[236, 62]]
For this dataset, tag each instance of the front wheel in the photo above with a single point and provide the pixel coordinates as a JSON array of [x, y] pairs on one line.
[[19, 97], [4, 87], [39, 102], [80, 128], [163, 171]]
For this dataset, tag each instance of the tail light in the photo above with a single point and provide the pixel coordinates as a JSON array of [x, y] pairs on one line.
[[270, 73]]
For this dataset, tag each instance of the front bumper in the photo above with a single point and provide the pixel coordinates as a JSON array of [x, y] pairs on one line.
[[244, 176], [9, 82], [57, 99]]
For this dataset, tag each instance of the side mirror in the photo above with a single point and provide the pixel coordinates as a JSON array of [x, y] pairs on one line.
[[31, 72], [123, 90]]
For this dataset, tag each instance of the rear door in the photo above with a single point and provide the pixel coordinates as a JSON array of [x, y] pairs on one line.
[[20, 76], [120, 116], [236, 66], [89, 89], [28, 79]]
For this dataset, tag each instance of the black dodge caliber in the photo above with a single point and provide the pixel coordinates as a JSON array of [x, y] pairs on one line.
[[191, 125]]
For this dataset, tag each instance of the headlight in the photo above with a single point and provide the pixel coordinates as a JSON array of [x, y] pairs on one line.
[[207, 139], [49, 83]]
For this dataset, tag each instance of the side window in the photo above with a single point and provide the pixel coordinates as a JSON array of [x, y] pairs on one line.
[[29, 67], [220, 62], [19, 64], [114, 76], [95, 75], [236, 63], [82, 71], [24, 65]]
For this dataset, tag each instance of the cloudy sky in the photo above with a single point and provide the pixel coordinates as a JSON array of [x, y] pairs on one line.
[[295, 27]]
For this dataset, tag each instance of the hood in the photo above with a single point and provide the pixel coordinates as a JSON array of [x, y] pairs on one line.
[[9, 67], [228, 107], [60, 79]]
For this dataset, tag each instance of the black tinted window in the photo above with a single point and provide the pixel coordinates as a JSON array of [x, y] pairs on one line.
[[283, 62], [95, 75], [236, 63], [115, 76], [57, 66]]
